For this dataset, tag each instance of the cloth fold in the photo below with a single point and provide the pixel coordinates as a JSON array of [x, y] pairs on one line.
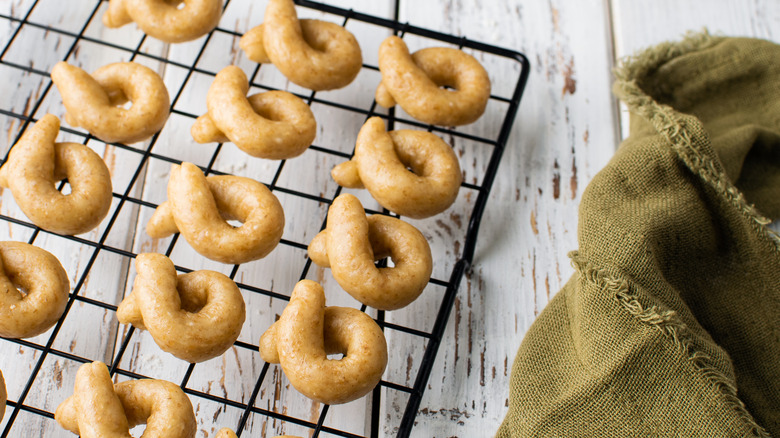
[[671, 324]]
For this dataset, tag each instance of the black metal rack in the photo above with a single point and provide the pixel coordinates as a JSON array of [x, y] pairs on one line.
[[124, 197]]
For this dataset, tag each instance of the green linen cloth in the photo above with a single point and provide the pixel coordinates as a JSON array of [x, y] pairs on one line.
[[670, 326]]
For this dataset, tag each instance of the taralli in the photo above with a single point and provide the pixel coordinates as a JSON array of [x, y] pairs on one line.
[[199, 208], [274, 125], [415, 82], [164, 19], [352, 242], [308, 331], [36, 163], [381, 164], [228, 433], [3, 396], [44, 282], [94, 102], [195, 316], [314, 54], [99, 408]]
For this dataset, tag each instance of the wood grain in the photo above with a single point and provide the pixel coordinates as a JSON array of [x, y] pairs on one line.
[[567, 129]]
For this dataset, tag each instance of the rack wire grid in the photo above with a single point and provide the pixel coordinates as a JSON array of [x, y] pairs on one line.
[[88, 329]]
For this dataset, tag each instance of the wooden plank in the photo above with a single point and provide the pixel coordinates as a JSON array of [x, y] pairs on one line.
[[563, 135], [88, 331], [234, 374]]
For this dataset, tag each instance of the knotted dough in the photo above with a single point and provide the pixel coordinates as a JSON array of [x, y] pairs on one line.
[[164, 19], [352, 242], [381, 164], [416, 83], [99, 408], [314, 54], [307, 332], [36, 163], [199, 207], [274, 125], [95, 102], [44, 282], [195, 316]]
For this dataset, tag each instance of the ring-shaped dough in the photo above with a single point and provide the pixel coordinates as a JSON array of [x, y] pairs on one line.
[[3, 396], [34, 166], [94, 102], [199, 208], [415, 82], [163, 19], [351, 243], [308, 331], [381, 164], [195, 316], [99, 408], [46, 286], [274, 125], [314, 54]]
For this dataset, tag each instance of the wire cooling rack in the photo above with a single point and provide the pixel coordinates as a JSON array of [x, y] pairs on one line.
[[129, 200]]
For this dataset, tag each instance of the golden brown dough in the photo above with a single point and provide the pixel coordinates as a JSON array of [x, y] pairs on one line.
[[308, 331], [46, 286], [162, 19], [94, 102], [352, 242], [381, 164], [195, 316], [36, 163], [274, 125], [3, 396], [415, 82], [314, 54], [99, 408], [199, 208]]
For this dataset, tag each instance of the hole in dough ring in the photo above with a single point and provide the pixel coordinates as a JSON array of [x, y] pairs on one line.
[[308, 331], [162, 19], [36, 163], [43, 279], [275, 125], [381, 161], [163, 406], [3, 396], [351, 243], [415, 82], [93, 102], [314, 54], [199, 208], [195, 316]]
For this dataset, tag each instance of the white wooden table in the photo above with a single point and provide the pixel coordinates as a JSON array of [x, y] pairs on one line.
[[568, 127]]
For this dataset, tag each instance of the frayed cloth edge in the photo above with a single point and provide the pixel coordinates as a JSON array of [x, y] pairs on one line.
[[671, 326]]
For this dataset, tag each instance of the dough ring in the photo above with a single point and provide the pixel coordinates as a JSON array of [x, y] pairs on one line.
[[308, 331], [46, 286], [228, 433], [99, 408], [162, 19], [199, 208], [352, 242], [94, 102], [314, 54], [3, 396], [414, 82], [34, 166], [195, 316], [381, 161], [274, 125]]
